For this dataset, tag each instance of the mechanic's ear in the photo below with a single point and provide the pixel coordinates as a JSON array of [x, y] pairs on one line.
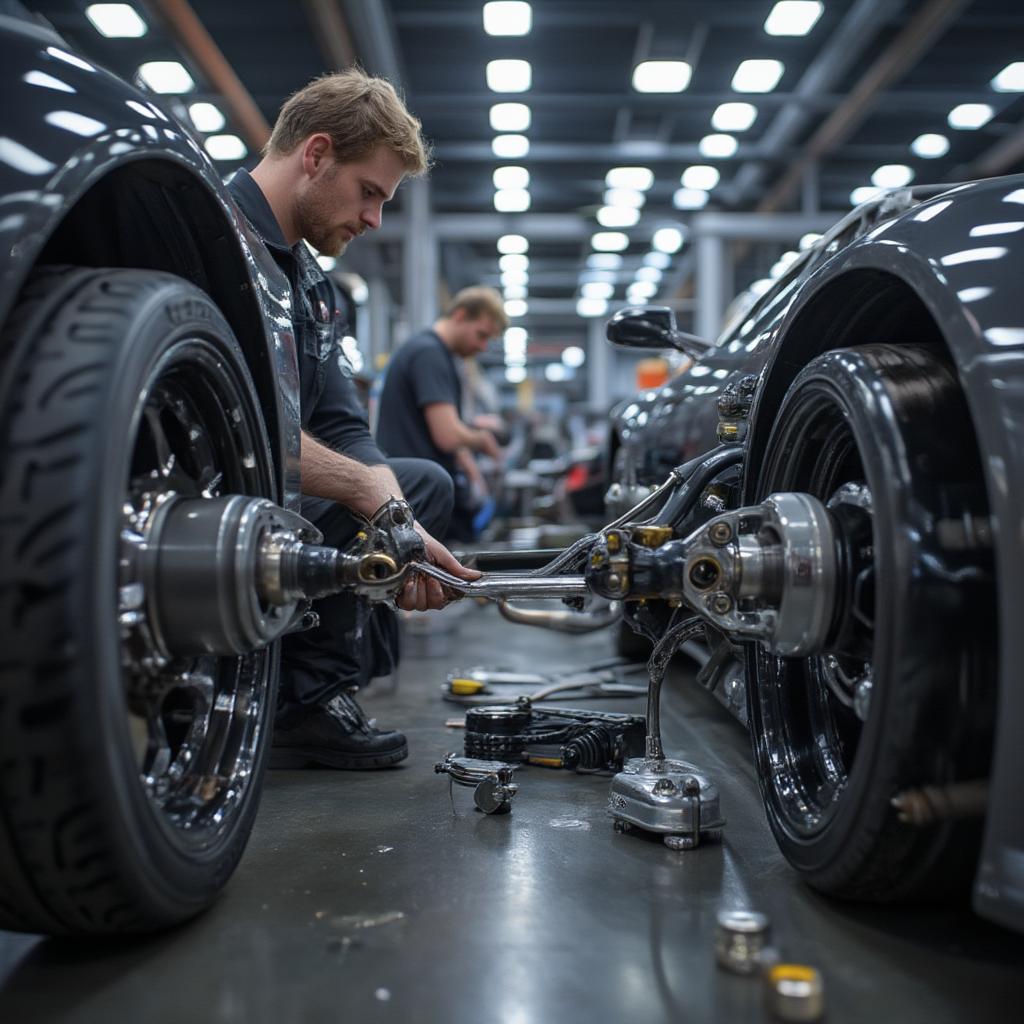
[[315, 151]]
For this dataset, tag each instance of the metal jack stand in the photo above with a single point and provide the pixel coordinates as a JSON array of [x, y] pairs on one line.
[[672, 798]]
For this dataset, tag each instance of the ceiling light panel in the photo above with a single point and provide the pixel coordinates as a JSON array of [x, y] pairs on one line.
[[793, 17], [514, 261], [702, 176], [631, 197], [116, 21], [511, 200], [597, 290], [513, 244], [661, 260], [592, 307], [507, 18], [892, 176], [758, 75], [969, 116], [641, 178], [226, 147], [508, 75], [166, 76], [930, 146], [609, 241], [661, 76], [206, 117], [516, 308], [510, 147], [515, 291], [618, 216], [510, 117], [1011, 78], [864, 193], [511, 177], [689, 199], [733, 117], [668, 240], [604, 261], [717, 146]]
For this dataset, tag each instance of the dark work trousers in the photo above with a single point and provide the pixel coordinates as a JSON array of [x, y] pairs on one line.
[[354, 641]]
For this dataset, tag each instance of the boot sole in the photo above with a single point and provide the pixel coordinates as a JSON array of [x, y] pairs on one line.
[[306, 757]]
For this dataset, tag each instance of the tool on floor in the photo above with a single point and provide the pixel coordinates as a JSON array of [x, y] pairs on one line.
[[795, 992], [492, 783], [740, 939], [582, 741], [484, 685], [669, 797]]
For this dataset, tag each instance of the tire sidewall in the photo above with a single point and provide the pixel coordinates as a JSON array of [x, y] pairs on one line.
[[891, 737], [183, 880]]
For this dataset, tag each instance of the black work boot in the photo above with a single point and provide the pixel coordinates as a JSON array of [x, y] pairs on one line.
[[336, 734]]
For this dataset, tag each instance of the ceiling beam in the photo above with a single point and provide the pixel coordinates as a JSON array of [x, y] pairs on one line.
[[906, 48], [374, 36], [199, 48], [847, 43], [331, 31], [1004, 156]]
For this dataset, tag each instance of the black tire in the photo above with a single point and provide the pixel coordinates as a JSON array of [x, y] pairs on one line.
[[892, 418], [109, 377]]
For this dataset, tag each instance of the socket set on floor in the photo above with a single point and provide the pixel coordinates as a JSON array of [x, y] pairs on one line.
[[793, 992]]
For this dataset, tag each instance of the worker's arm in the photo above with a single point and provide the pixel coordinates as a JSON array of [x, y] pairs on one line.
[[329, 474], [449, 433], [465, 461]]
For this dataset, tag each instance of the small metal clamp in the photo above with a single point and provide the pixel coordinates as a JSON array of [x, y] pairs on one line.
[[492, 781]]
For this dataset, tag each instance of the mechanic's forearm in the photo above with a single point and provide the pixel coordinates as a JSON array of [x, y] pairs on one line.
[[329, 474], [465, 461]]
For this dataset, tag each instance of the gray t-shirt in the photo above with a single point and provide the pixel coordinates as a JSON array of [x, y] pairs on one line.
[[419, 374]]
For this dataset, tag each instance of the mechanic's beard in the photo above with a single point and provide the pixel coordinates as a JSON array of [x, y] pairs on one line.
[[312, 214]]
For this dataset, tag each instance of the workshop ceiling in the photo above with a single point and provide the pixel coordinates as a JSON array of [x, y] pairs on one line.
[[869, 78]]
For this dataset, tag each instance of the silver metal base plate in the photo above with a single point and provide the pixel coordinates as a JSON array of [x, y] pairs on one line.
[[672, 798]]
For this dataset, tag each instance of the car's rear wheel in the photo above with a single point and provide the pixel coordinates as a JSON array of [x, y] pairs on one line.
[[129, 778], [902, 697]]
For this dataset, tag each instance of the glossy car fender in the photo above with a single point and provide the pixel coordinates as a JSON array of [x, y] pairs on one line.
[[68, 125], [960, 255]]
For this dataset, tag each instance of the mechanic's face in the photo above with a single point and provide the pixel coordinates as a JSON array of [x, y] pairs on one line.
[[339, 201], [473, 334]]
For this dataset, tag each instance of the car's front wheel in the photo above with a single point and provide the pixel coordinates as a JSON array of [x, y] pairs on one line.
[[902, 697], [129, 778]]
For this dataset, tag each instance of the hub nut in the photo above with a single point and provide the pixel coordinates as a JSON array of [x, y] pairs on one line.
[[740, 937], [721, 603], [720, 533]]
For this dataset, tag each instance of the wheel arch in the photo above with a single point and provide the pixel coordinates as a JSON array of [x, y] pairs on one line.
[[156, 213], [900, 293]]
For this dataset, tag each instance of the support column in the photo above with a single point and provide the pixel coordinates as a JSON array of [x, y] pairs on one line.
[[378, 308], [599, 360], [419, 257], [711, 297]]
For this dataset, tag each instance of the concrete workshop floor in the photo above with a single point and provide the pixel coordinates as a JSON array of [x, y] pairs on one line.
[[363, 897]]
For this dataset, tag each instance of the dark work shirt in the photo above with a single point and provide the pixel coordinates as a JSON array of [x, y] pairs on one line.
[[330, 406], [420, 373]]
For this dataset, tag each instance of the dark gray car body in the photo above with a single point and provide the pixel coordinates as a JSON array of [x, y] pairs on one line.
[[94, 172], [947, 261]]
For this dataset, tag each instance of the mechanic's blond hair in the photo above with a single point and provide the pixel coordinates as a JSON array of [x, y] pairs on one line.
[[359, 112], [480, 301]]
